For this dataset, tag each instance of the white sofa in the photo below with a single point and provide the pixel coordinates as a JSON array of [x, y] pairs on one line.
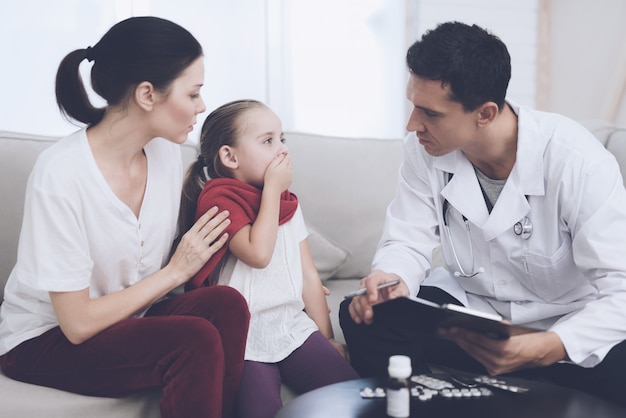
[[344, 186]]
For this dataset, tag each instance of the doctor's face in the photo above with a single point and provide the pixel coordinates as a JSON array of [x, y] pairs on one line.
[[441, 125]]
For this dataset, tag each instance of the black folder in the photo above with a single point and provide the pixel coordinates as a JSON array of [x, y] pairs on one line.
[[426, 317]]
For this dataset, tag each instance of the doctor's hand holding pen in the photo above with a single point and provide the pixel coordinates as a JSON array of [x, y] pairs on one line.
[[376, 287]]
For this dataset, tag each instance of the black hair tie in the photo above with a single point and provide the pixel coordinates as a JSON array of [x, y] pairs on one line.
[[89, 54]]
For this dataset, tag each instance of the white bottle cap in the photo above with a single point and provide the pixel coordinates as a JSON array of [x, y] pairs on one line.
[[399, 367]]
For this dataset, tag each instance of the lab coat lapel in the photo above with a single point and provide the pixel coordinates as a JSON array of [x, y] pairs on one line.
[[463, 191], [510, 208], [526, 179]]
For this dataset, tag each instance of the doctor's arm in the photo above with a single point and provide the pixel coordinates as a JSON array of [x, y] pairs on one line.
[[598, 225]]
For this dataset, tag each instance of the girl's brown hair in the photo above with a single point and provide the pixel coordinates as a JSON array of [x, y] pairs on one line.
[[221, 127]]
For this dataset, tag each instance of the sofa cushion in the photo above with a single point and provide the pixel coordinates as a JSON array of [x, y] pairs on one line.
[[327, 255], [23, 400]]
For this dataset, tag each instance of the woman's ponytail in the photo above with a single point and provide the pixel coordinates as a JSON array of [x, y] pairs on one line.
[[71, 95]]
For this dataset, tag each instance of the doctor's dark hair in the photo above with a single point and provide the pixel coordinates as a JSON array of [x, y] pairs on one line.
[[134, 50], [222, 127], [473, 62]]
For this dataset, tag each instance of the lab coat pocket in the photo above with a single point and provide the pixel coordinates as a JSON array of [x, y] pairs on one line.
[[551, 277]]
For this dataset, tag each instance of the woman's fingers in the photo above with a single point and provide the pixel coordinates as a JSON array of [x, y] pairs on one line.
[[212, 225], [215, 245]]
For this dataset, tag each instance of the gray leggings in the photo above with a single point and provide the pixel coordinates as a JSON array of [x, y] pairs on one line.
[[314, 364]]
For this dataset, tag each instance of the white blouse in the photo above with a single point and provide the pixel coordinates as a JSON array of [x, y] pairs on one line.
[[77, 234], [278, 323]]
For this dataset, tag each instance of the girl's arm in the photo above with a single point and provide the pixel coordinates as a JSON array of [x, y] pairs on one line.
[[314, 298], [81, 317], [254, 244]]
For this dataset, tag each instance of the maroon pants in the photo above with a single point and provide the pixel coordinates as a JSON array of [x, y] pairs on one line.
[[191, 346]]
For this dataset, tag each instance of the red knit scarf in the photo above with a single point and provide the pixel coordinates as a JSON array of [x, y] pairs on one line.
[[243, 201]]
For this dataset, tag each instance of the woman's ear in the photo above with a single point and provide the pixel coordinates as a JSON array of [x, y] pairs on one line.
[[145, 95], [487, 113], [228, 157]]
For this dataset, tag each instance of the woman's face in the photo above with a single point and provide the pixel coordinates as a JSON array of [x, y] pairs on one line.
[[176, 115], [260, 140]]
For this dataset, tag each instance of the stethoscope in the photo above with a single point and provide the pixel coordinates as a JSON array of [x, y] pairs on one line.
[[523, 229]]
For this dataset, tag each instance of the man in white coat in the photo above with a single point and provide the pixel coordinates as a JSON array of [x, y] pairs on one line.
[[530, 212]]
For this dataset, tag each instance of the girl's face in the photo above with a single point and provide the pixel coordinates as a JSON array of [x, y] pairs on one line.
[[176, 114], [260, 140]]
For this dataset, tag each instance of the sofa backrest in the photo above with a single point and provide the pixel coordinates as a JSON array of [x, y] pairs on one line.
[[18, 153], [612, 137], [340, 183], [344, 186]]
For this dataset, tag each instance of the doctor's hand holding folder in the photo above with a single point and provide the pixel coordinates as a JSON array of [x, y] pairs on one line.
[[499, 344], [428, 317]]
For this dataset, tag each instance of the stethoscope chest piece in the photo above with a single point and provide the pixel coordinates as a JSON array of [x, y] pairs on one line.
[[523, 228]]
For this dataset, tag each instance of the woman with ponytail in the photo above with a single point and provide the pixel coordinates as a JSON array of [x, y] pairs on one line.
[[89, 307]]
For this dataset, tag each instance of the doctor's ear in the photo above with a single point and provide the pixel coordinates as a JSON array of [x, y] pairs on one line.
[[487, 113], [228, 157]]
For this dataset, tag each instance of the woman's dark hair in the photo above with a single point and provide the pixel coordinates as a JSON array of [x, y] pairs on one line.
[[221, 127], [475, 63], [134, 50]]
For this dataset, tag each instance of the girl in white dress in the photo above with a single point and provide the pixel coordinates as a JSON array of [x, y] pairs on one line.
[[267, 258]]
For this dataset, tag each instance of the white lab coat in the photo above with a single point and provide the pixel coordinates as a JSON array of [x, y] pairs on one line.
[[569, 277]]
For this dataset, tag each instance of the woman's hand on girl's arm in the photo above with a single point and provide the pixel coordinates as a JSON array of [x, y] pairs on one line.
[[81, 317], [198, 245]]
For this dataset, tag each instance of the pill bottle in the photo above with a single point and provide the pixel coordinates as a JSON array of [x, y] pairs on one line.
[[398, 390]]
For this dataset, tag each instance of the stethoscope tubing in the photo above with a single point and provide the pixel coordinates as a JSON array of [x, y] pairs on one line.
[[523, 229]]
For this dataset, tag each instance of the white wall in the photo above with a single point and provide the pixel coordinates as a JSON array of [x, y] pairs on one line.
[[582, 74], [515, 22], [587, 65], [36, 34]]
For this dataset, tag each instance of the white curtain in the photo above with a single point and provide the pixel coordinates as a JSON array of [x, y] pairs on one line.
[[37, 34], [334, 67], [326, 66], [337, 67]]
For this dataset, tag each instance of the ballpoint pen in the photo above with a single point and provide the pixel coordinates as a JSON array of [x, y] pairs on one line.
[[363, 290]]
